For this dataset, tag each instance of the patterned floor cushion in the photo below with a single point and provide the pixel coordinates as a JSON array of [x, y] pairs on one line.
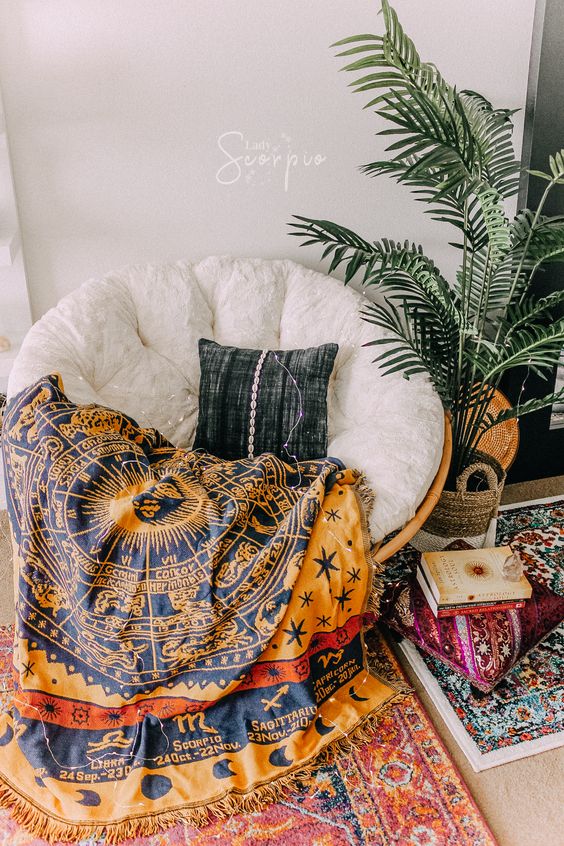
[[482, 647]]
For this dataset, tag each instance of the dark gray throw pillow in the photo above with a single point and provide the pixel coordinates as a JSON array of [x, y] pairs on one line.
[[256, 401]]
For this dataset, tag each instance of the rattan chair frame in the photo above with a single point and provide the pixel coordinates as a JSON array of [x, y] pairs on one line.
[[382, 551]]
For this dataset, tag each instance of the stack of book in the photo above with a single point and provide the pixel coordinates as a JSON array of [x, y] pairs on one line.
[[470, 581]]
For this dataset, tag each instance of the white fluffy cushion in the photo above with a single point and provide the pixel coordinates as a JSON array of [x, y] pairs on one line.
[[130, 341]]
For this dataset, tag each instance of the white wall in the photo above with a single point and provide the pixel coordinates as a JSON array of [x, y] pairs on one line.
[[115, 107], [15, 316]]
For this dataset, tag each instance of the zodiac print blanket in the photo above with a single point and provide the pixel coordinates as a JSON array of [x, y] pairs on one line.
[[188, 629]]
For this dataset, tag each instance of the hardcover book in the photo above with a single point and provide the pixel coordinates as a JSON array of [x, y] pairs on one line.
[[459, 608], [471, 575]]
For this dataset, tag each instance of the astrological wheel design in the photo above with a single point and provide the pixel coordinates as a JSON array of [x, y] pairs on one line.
[[136, 564], [159, 585]]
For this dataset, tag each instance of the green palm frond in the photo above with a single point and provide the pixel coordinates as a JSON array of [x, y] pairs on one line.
[[537, 348], [342, 244], [448, 141], [404, 354], [493, 130], [380, 262], [556, 167], [490, 420], [547, 243], [502, 287], [411, 275], [418, 342], [454, 151], [472, 280], [435, 152], [495, 222], [520, 228], [556, 164], [531, 311]]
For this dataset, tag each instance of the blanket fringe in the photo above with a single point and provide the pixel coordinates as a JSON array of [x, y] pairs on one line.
[[374, 603], [52, 829], [41, 824], [366, 495], [366, 499]]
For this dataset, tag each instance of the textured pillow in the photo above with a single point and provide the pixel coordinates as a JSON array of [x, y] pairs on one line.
[[482, 647], [256, 401]]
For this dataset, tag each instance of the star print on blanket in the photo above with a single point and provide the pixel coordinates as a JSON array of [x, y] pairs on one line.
[[189, 630]]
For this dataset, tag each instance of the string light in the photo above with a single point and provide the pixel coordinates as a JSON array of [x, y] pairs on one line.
[[337, 540], [524, 382], [298, 420]]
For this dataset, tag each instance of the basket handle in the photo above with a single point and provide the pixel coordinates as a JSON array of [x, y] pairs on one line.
[[485, 469]]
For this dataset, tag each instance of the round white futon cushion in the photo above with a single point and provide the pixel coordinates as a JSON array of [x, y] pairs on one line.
[[130, 341]]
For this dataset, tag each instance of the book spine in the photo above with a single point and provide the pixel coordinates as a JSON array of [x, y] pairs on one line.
[[420, 576], [491, 596], [488, 608], [424, 567], [493, 603]]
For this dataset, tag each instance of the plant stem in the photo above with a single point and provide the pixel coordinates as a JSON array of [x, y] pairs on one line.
[[469, 438], [480, 323], [464, 303], [484, 299], [525, 251], [462, 327]]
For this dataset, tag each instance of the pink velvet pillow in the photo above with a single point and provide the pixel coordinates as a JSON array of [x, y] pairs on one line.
[[482, 647]]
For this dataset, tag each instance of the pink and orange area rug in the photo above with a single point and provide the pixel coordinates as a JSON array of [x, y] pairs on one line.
[[399, 788]]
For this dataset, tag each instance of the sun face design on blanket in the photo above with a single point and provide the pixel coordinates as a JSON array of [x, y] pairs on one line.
[[189, 630]]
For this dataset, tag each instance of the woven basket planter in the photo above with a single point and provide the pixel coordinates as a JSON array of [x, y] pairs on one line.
[[467, 513]]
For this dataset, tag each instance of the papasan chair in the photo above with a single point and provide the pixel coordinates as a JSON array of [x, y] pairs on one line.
[[130, 341]]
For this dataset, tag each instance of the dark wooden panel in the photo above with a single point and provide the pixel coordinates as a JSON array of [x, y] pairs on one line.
[[542, 449]]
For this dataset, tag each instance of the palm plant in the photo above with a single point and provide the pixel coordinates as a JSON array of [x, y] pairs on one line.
[[454, 150]]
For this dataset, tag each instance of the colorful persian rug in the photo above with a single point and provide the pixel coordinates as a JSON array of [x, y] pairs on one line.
[[524, 715], [400, 787], [188, 629]]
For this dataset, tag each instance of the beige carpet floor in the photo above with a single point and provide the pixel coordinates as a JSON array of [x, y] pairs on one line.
[[522, 801]]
